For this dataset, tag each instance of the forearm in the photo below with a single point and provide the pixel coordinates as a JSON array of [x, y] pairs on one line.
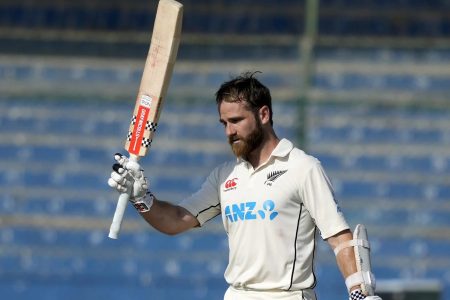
[[168, 218], [347, 263], [343, 245], [346, 257]]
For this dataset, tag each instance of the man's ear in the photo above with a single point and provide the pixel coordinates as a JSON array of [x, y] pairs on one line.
[[264, 114]]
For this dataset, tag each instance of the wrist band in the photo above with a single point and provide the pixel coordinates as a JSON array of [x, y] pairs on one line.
[[145, 203], [354, 280], [357, 295]]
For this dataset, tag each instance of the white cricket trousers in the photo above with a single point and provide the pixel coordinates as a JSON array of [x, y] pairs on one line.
[[236, 294]]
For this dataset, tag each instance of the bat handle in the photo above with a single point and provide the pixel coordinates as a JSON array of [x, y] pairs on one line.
[[122, 203], [118, 215]]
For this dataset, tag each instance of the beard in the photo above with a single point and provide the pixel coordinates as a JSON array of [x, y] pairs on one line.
[[248, 144]]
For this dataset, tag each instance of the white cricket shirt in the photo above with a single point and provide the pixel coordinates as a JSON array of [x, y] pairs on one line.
[[270, 215]]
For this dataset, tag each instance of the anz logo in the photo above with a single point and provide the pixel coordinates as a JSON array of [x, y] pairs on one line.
[[246, 211]]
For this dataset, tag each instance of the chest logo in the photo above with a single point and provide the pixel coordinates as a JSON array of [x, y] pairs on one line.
[[272, 176], [230, 184], [246, 211]]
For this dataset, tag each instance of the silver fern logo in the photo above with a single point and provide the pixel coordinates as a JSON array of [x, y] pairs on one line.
[[272, 176]]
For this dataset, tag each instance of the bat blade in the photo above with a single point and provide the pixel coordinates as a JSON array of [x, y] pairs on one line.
[[152, 91], [156, 77]]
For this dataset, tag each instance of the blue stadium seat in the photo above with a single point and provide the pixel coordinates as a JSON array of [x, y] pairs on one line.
[[105, 75], [38, 179], [209, 242], [418, 164], [444, 192], [181, 184], [48, 153], [18, 124], [56, 74], [9, 152], [92, 155], [330, 161], [352, 189], [16, 72], [83, 180], [371, 163], [405, 190]]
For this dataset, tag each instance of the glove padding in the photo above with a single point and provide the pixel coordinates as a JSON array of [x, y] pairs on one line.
[[128, 176], [373, 298]]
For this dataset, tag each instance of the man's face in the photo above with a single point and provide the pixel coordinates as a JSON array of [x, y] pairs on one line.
[[243, 129]]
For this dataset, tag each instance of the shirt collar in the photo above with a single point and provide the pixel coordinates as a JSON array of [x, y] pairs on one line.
[[283, 148]]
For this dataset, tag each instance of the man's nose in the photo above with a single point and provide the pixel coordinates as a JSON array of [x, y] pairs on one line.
[[230, 130]]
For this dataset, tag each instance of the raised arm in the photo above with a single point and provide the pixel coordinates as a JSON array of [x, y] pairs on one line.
[[163, 216], [168, 218]]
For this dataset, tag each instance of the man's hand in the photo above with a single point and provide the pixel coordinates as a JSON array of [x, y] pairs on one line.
[[128, 176]]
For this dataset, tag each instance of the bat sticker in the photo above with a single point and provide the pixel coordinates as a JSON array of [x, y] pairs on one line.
[[146, 101], [140, 123]]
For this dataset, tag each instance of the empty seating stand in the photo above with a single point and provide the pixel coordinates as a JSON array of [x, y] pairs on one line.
[[389, 161], [66, 182]]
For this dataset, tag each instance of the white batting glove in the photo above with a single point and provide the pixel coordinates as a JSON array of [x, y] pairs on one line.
[[128, 176], [373, 298]]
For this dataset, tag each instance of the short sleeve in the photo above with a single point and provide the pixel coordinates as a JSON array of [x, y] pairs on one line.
[[318, 197], [205, 204]]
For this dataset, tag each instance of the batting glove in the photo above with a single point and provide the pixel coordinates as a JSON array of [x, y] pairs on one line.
[[358, 295], [128, 177]]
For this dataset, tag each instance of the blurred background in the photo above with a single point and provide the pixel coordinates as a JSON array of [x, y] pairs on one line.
[[362, 85]]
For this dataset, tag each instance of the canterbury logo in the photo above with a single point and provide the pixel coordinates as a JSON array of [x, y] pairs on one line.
[[272, 176], [230, 184]]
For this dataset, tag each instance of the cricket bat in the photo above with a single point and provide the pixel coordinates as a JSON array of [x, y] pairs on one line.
[[152, 91]]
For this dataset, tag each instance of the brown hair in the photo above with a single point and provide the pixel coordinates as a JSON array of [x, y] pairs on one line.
[[246, 88]]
